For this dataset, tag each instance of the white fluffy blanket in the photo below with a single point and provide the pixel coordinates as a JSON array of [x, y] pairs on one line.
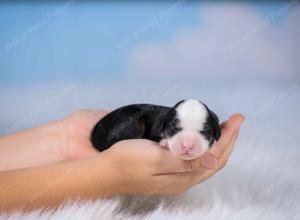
[[261, 181]]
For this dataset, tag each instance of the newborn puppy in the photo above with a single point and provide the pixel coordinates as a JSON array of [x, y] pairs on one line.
[[188, 129]]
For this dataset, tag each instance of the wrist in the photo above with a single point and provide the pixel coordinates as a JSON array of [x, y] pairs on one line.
[[52, 137], [60, 136]]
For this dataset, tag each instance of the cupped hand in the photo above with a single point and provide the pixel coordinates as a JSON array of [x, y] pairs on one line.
[[141, 167], [77, 130]]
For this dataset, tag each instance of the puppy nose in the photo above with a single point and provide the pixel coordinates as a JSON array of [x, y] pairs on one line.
[[187, 146]]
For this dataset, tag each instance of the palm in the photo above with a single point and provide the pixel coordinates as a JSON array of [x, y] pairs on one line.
[[78, 127]]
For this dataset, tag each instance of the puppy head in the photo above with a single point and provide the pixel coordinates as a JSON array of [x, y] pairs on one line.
[[189, 129]]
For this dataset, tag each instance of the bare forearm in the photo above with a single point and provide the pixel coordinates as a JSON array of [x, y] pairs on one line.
[[49, 186], [33, 147]]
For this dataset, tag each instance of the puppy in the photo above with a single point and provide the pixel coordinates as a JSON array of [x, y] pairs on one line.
[[188, 129]]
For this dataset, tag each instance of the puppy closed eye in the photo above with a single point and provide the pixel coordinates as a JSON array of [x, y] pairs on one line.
[[206, 132], [173, 127]]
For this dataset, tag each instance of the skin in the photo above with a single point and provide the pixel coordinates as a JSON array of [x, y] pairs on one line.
[[67, 167]]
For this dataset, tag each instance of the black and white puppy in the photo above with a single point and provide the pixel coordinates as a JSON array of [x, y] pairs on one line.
[[188, 129]]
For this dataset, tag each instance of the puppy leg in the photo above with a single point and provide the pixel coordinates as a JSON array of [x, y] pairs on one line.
[[164, 144]]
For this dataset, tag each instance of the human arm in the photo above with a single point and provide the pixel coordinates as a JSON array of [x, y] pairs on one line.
[[48, 186], [131, 167], [58, 141]]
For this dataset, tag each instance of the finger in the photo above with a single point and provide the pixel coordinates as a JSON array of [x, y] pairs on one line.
[[170, 184], [93, 116], [226, 154], [172, 164], [98, 113], [221, 162], [229, 129], [223, 124]]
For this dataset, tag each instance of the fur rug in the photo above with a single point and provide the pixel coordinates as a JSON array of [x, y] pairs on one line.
[[261, 181]]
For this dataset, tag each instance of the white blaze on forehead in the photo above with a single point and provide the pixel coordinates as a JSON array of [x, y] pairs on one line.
[[192, 114]]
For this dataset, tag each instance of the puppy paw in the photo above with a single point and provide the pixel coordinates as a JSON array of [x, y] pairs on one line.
[[164, 144]]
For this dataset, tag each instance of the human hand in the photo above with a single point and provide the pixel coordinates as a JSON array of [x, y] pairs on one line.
[[141, 167], [54, 142], [77, 127]]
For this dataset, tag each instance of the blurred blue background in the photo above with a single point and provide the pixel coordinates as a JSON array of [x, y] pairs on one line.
[[61, 56]]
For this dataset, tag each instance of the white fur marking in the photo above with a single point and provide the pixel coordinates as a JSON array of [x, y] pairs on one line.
[[192, 115]]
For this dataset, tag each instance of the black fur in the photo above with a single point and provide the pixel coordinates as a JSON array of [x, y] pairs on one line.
[[129, 122], [211, 129]]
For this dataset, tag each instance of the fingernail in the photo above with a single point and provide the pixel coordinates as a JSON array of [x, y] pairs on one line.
[[240, 122], [243, 118]]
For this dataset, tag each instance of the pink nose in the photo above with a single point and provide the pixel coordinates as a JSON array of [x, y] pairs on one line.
[[187, 145]]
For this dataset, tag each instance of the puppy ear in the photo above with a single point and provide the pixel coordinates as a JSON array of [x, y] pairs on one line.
[[216, 127], [178, 103], [158, 125]]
